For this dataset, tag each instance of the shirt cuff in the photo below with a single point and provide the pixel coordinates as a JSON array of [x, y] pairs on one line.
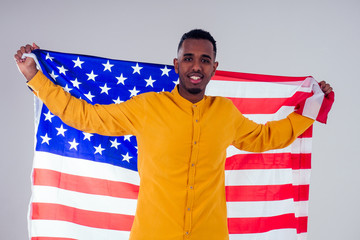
[[37, 81]]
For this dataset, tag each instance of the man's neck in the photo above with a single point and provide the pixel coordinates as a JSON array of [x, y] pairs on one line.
[[193, 98]]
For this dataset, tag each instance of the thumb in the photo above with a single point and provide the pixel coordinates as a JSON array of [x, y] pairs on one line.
[[35, 46]]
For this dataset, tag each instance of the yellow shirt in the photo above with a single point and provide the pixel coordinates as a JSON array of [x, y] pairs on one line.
[[181, 153]]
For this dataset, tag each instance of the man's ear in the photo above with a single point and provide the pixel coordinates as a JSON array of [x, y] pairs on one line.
[[216, 64], [176, 65]]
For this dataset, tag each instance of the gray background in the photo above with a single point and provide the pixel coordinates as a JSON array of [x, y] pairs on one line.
[[309, 37]]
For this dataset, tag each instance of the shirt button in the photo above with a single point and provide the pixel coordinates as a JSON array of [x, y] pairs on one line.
[[192, 164], [196, 120], [188, 209], [194, 106], [191, 187], [195, 142]]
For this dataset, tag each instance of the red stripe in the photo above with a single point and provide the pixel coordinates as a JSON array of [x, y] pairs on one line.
[[301, 193], [261, 224], [268, 161], [89, 185], [249, 77], [51, 238], [308, 133], [267, 193], [265, 224], [49, 211], [302, 223], [267, 105]]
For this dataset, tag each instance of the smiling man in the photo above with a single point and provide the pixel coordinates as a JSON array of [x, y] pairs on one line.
[[182, 140], [195, 64]]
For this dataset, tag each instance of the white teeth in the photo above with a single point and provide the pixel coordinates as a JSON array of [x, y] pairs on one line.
[[195, 77]]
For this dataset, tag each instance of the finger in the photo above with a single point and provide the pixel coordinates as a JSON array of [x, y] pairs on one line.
[[35, 46], [328, 91], [20, 54], [28, 48], [22, 50], [17, 58]]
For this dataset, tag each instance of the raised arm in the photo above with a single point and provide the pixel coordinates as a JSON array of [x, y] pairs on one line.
[[112, 120], [254, 137]]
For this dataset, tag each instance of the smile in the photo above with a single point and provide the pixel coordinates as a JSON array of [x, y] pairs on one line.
[[195, 79]]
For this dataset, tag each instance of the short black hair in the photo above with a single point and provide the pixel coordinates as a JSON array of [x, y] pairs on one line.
[[198, 34]]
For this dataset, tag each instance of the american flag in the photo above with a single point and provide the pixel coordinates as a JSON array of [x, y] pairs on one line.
[[85, 185]]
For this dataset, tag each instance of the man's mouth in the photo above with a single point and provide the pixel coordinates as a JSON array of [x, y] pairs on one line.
[[195, 79]]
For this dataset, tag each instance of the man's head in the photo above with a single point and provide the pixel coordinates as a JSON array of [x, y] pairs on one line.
[[195, 63], [198, 34]]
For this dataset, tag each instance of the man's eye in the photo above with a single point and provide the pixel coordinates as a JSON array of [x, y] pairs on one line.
[[187, 59], [205, 60]]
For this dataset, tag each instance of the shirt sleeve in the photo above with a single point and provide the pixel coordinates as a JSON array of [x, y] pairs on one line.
[[111, 120], [254, 137]]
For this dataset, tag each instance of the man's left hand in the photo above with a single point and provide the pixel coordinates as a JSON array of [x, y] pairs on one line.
[[325, 87]]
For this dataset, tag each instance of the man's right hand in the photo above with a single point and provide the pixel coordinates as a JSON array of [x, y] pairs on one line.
[[27, 66]]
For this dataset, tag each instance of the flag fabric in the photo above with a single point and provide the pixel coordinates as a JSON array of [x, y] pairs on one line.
[[85, 186]]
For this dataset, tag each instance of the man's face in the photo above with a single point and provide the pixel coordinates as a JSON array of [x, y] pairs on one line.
[[195, 65]]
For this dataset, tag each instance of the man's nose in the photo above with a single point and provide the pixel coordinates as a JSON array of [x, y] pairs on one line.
[[196, 67]]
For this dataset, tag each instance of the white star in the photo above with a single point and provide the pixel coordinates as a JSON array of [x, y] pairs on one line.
[[127, 137], [89, 96], [176, 82], [75, 83], [99, 149], [87, 136], [77, 62], [136, 68], [91, 76], [165, 71], [73, 144], [149, 82], [61, 130], [117, 101], [133, 92], [108, 66], [62, 70], [126, 157], [67, 89], [105, 89], [114, 143], [45, 139], [48, 116], [121, 79], [48, 57], [53, 75]]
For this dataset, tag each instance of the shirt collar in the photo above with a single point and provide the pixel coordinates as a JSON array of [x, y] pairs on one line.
[[185, 102]]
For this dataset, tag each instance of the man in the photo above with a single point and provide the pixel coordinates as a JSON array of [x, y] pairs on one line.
[[182, 138]]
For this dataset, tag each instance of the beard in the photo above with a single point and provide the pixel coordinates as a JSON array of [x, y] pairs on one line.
[[194, 90]]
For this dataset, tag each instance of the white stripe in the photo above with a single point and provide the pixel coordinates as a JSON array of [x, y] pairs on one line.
[[286, 234], [302, 236], [255, 89], [282, 113], [49, 228], [302, 209], [89, 202], [313, 104], [266, 208], [300, 145], [86, 168], [255, 177], [260, 208], [301, 176]]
